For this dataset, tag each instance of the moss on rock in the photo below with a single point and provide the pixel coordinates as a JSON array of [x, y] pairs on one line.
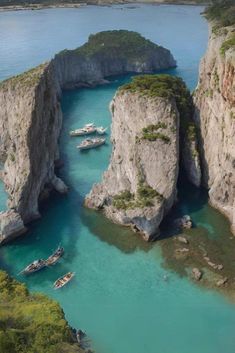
[[145, 197]]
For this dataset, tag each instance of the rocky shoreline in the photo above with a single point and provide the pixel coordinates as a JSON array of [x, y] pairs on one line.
[[39, 6]]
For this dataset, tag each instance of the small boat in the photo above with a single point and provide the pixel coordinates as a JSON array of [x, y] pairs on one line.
[[101, 130], [91, 143], [62, 281], [34, 267], [86, 130], [55, 256]]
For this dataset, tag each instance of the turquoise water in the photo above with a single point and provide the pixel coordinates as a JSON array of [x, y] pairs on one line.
[[118, 295]]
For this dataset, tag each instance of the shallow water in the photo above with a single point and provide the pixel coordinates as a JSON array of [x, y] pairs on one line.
[[118, 295]]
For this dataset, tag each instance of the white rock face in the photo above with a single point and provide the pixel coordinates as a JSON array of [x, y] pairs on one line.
[[191, 161], [215, 116], [31, 117], [11, 225], [30, 125], [155, 162]]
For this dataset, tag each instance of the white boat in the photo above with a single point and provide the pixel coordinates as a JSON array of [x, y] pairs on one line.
[[86, 130], [91, 143], [62, 281], [101, 130]]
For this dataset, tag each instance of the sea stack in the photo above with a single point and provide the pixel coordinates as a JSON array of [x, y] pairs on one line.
[[31, 117], [139, 187]]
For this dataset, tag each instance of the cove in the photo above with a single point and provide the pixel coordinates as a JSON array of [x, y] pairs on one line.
[[118, 295]]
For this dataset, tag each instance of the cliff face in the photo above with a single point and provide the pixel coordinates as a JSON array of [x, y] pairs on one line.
[[110, 53], [139, 187], [29, 131], [31, 117], [215, 117]]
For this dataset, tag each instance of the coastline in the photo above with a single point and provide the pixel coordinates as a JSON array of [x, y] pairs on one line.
[[37, 7]]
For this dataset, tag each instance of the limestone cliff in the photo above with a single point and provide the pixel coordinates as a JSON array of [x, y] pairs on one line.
[[31, 117], [139, 187], [215, 117]]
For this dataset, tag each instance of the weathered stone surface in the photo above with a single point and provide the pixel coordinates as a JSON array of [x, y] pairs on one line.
[[221, 282], [59, 185], [11, 225], [30, 123], [182, 239], [212, 264], [191, 160], [215, 117], [134, 158], [31, 118], [184, 222], [197, 274]]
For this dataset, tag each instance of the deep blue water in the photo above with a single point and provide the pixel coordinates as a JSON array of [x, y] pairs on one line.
[[118, 295]]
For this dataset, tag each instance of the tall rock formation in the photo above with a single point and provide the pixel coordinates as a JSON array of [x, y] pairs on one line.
[[215, 112], [139, 187], [31, 117]]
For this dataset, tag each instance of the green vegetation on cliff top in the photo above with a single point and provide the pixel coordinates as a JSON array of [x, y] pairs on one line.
[[31, 323], [116, 43], [165, 86], [168, 87], [222, 11], [27, 79]]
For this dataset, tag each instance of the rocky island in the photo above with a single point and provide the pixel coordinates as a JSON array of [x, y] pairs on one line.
[[150, 117], [31, 117]]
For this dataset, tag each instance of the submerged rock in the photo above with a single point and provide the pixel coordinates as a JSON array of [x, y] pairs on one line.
[[184, 222], [182, 239], [222, 282], [212, 264], [197, 274]]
